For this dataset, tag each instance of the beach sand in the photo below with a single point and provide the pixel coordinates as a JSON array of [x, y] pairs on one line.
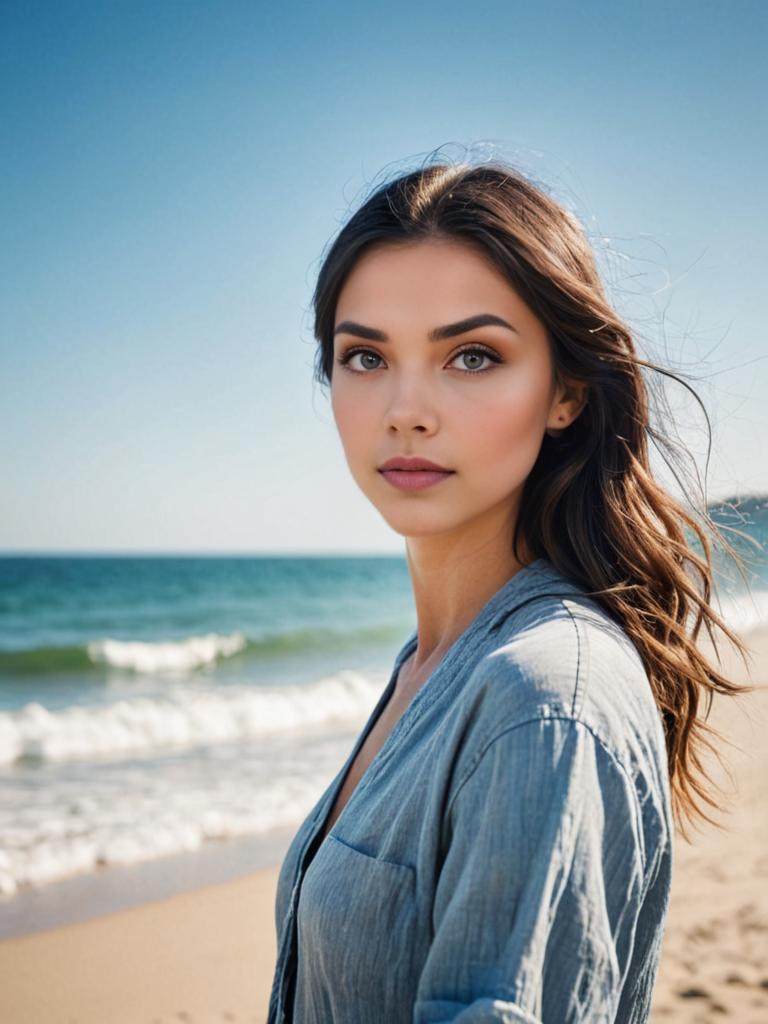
[[714, 963], [207, 956]]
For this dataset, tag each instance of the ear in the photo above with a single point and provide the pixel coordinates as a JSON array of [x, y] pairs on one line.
[[569, 400]]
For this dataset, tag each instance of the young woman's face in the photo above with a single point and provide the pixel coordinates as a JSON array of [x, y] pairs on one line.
[[476, 402]]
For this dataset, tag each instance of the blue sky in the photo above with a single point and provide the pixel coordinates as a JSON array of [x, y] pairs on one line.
[[171, 173]]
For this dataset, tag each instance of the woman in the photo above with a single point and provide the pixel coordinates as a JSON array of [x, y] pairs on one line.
[[498, 845]]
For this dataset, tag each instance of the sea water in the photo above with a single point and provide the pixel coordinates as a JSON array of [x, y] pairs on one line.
[[150, 705], [161, 704]]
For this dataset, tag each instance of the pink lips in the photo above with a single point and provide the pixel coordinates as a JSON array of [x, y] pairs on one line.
[[414, 479]]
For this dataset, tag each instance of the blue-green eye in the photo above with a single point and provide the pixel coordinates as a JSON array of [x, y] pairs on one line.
[[358, 352], [474, 350]]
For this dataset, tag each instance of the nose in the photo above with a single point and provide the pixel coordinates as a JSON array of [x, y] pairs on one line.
[[411, 409]]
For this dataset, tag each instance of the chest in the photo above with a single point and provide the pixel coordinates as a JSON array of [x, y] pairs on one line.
[[385, 723], [373, 743]]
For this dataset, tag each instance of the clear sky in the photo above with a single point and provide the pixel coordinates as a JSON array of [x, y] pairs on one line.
[[171, 172]]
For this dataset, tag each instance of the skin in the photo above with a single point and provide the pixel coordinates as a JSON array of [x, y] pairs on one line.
[[410, 397]]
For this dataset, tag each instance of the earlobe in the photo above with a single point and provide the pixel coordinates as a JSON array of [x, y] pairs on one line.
[[555, 431], [574, 405]]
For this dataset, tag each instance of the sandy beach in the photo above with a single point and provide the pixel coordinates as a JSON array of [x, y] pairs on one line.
[[208, 955]]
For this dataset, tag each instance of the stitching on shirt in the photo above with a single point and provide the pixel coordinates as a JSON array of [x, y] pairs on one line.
[[545, 716], [373, 858], [502, 618], [578, 655]]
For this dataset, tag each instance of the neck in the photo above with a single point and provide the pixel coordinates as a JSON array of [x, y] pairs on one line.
[[453, 577]]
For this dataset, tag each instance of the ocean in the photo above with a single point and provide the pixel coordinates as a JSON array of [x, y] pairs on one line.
[[156, 705]]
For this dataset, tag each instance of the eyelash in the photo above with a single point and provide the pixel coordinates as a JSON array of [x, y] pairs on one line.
[[343, 360]]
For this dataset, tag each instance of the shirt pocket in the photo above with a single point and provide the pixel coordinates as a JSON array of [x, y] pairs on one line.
[[357, 925]]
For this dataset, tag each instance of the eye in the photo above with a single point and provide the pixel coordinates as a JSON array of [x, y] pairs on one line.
[[344, 360], [473, 350]]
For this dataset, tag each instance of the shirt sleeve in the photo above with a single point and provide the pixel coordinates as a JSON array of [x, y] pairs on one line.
[[540, 889]]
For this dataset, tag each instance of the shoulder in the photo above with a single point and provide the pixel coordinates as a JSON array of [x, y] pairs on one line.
[[563, 656], [562, 675]]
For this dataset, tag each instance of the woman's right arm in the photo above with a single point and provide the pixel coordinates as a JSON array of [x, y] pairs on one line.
[[539, 894]]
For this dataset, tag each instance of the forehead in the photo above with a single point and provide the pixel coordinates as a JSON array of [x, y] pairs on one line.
[[425, 282]]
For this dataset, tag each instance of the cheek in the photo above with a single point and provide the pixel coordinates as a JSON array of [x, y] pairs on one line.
[[350, 416], [508, 429]]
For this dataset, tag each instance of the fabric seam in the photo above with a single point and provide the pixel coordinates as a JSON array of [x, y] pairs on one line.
[[577, 684], [547, 717]]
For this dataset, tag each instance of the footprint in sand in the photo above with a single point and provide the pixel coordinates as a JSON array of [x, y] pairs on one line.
[[694, 993], [734, 979]]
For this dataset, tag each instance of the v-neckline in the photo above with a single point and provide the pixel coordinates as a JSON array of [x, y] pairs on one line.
[[377, 714], [479, 624], [324, 811]]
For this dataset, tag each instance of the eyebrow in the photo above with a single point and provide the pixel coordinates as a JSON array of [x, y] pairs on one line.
[[436, 334]]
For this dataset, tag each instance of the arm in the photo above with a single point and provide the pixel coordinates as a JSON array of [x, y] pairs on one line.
[[539, 893]]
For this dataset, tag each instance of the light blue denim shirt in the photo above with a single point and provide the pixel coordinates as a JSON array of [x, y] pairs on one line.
[[507, 854]]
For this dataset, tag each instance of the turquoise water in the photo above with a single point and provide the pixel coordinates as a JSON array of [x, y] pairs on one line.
[[69, 624], [149, 705]]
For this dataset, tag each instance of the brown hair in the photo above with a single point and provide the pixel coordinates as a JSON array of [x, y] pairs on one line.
[[590, 504]]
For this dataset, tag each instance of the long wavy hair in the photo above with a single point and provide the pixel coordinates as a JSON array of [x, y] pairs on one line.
[[590, 504]]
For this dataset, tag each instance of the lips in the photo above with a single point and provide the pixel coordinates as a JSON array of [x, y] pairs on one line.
[[414, 474], [413, 464]]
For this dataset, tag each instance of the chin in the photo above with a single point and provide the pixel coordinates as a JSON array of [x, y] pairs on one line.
[[425, 524]]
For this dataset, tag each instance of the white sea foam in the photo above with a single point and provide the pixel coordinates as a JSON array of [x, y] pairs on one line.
[[144, 778], [77, 819], [184, 716], [166, 656]]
